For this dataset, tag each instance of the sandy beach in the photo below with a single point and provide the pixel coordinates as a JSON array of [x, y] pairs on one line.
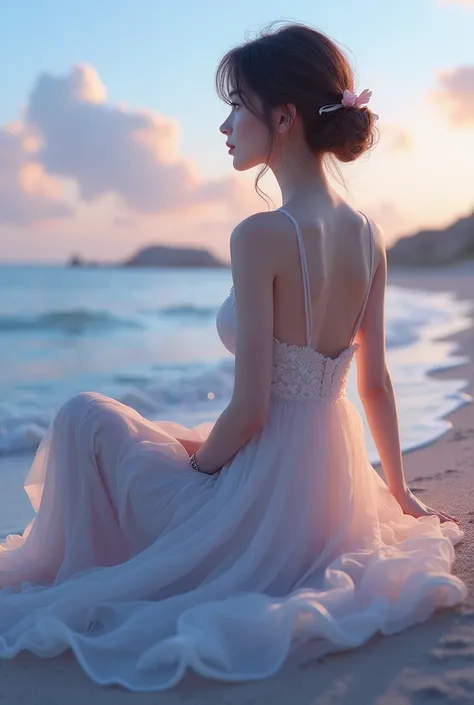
[[431, 663]]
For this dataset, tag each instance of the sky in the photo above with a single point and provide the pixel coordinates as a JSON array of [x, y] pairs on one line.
[[109, 120]]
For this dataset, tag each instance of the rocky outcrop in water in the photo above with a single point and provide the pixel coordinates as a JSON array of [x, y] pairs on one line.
[[158, 256], [162, 256]]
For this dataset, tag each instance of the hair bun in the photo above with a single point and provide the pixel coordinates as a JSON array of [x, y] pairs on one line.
[[347, 133]]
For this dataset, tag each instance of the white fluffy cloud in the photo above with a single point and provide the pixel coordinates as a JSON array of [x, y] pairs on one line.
[[71, 132], [107, 149]]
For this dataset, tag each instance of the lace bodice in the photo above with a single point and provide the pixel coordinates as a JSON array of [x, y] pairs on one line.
[[299, 372], [303, 373]]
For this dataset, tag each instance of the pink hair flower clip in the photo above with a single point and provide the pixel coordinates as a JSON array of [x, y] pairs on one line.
[[349, 100]]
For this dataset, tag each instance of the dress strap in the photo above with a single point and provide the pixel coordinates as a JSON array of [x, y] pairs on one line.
[[304, 270], [362, 310]]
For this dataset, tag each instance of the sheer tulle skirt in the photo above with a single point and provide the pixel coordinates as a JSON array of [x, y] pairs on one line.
[[144, 567]]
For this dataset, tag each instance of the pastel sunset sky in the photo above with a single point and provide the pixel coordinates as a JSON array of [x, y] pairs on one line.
[[109, 120]]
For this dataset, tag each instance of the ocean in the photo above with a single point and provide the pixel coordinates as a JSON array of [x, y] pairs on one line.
[[148, 338]]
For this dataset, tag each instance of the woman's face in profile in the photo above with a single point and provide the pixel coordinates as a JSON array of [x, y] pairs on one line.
[[247, 134]]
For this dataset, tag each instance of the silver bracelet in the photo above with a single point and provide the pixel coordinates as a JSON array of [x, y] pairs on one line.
[[193, 463]]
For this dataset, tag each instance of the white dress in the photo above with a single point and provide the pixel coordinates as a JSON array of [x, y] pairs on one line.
[[145, 567]]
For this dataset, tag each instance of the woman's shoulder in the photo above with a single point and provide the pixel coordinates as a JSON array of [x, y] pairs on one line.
[[379, 241], [375, 225], [256, 225], [361, 221], [358, 219], [258, 236]]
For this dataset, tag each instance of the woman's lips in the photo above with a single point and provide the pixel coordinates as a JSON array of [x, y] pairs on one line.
[[231, 149]]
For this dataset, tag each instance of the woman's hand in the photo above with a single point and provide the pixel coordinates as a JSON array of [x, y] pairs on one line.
[[416, 508]]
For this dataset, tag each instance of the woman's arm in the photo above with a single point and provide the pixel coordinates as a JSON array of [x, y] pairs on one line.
[[374, 382], [377, 394], [253, 276]]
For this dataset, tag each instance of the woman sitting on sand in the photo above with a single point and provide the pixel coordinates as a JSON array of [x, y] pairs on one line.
[[225, 547]]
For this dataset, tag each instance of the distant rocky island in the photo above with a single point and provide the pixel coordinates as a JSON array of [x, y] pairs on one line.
[[159, 256], [430, 248], [162, 256], [426, 248]]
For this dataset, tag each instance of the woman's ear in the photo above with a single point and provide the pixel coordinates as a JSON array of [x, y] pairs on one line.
[[285, 117]]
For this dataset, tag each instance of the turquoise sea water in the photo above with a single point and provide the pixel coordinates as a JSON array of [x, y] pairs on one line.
[[148, 338]]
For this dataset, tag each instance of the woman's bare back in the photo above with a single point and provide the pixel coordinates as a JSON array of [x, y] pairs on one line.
[[337, 247]]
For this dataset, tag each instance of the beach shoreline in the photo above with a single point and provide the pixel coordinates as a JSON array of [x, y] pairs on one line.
[[427, 663]]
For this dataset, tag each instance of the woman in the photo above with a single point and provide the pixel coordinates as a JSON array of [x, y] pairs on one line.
[[224, 547]]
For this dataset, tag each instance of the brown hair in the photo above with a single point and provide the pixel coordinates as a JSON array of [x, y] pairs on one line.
[[299, 65]]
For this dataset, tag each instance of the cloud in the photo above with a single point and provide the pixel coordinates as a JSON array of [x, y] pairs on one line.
[[107, 149], [27, 194], [456, 95], [71, 136], [395, 139]]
